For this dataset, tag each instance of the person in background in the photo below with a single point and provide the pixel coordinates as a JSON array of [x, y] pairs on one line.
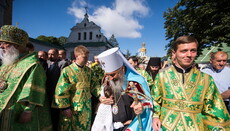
[[23, 98], [142, 66], [43, 57], [55, 67], [153, 67], [220, 73], [73, 93], [133, 60], [186, 98], [89, 63], [62, 56], [30, 47]]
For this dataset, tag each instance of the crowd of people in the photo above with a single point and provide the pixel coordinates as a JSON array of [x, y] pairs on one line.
[[46, 91]]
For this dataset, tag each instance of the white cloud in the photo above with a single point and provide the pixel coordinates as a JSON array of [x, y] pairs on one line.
[[120, 20]]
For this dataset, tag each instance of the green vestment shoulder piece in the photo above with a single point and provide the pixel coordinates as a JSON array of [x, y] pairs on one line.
[[74, 87], [25, 92], [195, 105]]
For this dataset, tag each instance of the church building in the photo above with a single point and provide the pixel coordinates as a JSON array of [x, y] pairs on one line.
[[88, 34]]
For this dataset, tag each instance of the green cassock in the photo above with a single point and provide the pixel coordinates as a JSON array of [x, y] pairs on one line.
[[25, 92], [73, 91], [148, 78], [195, 105]]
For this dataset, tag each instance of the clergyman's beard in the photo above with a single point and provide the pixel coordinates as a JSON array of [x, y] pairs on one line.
[[117, 85], [9, 56]]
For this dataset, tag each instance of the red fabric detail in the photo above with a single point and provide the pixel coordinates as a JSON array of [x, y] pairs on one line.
[[137, 85], [146, 104]]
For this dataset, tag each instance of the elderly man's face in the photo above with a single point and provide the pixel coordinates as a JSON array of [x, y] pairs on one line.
[[115, 75], [5, 46], [219, 61], [8, 53]]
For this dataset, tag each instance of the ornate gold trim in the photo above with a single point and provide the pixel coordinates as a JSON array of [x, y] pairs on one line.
[[16, 86], [61, 97], [174, 123], [216, 124], [194, 121], [184, 121]]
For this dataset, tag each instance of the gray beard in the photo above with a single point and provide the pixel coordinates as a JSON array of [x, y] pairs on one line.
[[9, 56], [117, 85]]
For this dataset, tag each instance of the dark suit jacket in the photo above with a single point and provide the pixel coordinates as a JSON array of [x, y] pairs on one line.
[[53, 73]]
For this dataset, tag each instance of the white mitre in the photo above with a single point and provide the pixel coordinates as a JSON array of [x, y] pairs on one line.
[[112, 59]]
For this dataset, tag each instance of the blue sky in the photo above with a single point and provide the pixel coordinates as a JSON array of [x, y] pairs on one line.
[[131, 21]]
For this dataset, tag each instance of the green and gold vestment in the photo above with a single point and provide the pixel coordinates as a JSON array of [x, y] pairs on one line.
[[146, 75], [73, 90], [25, 92], [195, 105]]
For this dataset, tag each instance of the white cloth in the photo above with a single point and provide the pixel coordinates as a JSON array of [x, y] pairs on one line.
[[117, 125], [103, 120], [104, 117]]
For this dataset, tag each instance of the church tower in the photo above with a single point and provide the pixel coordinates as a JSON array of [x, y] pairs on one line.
[[142, 51], [89, 34]]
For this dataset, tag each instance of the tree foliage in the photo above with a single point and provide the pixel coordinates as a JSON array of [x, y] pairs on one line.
[[53, 40], [207, 20], [128, 54]]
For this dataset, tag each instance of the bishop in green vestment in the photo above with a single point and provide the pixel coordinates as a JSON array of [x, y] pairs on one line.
[[23, 101], [73, 93], [185, 99]]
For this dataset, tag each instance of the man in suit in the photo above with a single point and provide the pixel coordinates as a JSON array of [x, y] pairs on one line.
[[54, 70]]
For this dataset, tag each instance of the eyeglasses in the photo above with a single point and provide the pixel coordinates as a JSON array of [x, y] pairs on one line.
[[114, 73]]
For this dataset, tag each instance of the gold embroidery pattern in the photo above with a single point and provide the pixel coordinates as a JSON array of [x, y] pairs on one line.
[[182, 105]]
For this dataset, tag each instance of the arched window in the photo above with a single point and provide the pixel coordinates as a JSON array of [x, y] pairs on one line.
[[84, 35], [79, 36], [90, 35]]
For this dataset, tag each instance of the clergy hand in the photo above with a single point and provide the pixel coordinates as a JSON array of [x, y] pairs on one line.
[[67, 112], [226, 94], [156, 124], [25, 116], [127, 122], [138, 108], [107, 101]]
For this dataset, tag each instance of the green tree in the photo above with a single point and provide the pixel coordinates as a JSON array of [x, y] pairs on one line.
[[128, 54], [62, 40], [53, 40], [42, 38], [207, 20]]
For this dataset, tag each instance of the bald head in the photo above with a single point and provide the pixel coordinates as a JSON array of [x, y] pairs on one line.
[[219, 59], [62, 54], [43, 55]]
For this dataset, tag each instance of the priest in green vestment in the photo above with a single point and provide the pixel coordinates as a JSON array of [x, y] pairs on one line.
[[73, 93], [23, 100], [185, 99]]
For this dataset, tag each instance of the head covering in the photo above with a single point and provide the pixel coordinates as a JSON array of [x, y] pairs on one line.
[[154, 61], [113, 59], [14, 35], [110, 61]]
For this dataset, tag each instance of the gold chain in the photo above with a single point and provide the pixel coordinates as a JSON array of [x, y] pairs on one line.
[[116, 101]]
